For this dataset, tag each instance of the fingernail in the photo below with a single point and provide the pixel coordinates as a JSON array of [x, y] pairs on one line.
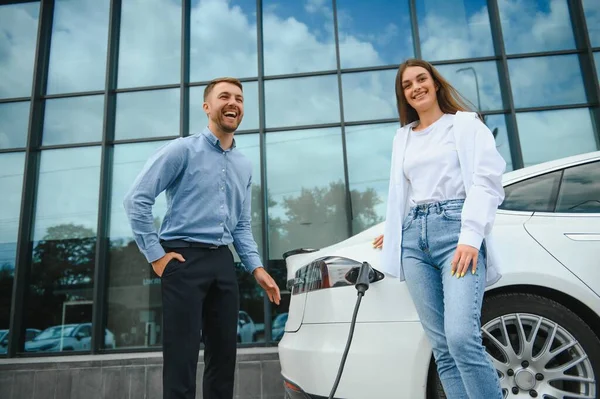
[[452, 272], [473, 271], [463, 274]]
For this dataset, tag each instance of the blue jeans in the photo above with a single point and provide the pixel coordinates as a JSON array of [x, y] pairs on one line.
[[449, 308]]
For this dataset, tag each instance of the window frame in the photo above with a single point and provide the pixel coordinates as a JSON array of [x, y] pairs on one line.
[[554, 193], [555, 212]]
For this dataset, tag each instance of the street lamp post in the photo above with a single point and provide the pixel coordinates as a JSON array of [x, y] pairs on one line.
[[476, 84]]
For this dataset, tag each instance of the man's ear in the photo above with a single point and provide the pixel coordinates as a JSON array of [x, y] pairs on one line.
[[206, 108]]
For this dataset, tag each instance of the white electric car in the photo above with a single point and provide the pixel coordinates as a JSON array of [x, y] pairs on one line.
[[540, 321]]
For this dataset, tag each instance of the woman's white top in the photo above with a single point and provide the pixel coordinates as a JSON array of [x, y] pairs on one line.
[[481, 169], [431, 164]]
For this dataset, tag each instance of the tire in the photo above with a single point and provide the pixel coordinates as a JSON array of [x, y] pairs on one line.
[[540, 318]]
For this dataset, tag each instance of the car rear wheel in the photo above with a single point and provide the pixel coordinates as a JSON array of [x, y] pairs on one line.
[[539, 348]]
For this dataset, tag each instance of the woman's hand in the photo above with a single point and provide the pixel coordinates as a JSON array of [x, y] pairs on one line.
[[465, 256], [378, 242]]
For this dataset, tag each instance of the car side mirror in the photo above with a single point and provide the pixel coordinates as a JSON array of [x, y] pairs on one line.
[[79, 336]]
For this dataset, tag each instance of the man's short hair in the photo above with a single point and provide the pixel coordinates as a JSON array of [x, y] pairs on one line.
[[214, 82]]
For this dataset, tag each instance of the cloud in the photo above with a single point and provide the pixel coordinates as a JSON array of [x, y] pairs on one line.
[[14, 120], [11, 179]]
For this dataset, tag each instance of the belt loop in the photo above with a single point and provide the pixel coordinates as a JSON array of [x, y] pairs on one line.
[[438, 208]]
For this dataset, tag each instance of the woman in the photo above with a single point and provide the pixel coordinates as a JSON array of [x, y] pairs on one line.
[[445, 187]]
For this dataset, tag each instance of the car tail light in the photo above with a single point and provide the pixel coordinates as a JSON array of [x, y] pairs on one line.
[[328, 272]]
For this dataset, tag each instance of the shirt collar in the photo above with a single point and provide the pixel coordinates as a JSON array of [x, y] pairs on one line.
[[210, 136]]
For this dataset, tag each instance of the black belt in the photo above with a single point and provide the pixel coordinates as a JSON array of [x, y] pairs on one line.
[[188, 244]]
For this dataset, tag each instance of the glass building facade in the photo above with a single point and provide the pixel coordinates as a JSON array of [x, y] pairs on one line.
[[89, 89]]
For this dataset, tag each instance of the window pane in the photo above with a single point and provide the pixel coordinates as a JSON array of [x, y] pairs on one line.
[[150, 43], [223, 39], [134, 297], [369, 95], [545, 24], [198, 119], [374, 33], [597, 62], [147, 114], [14, 121], [369, 149], [298, 36], [535, 81], [11, 181], [73, 120], [61, 280], [477, 81], [580, 189], [550, 135], [310, 209], [78, 48], [19, 24], [536, 194], [303, 101], [251, 299], [591, 9], [454, 29], [497, 124]]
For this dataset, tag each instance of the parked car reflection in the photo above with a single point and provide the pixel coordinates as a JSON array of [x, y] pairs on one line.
[[30, 334], [278, 326], [67, 337], [246, 329]]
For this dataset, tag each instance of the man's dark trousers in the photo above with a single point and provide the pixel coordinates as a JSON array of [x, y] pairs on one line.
[[200, 298]]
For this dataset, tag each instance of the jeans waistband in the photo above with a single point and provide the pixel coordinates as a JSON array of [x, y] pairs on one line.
[[436, 207]]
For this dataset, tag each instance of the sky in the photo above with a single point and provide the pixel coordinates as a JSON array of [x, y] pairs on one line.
[[298, 37]]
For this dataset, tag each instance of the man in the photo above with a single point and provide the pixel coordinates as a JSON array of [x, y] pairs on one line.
[[208, 188]]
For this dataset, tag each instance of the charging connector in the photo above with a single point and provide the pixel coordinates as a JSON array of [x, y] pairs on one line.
[[362, 285]]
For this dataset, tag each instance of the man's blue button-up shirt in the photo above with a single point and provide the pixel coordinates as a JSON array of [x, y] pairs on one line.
[[208, 190]]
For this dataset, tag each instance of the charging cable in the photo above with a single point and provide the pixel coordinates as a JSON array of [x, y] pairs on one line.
[[362, 285]]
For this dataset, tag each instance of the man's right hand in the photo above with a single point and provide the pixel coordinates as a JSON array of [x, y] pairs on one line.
[[160, 264]]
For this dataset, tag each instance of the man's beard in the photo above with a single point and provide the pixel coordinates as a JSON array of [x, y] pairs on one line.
[[220, 121]]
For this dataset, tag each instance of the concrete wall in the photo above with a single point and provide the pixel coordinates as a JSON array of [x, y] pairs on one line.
[[127, 376]]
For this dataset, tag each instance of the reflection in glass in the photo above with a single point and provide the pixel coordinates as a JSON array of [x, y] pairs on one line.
[[302, 101], [198, 119], [61, 282], [477, 82], [73, 120], [11, 181], [134, 298], [580, 189], [454, 29], [377, 32], [298, 36], [497, 124], [546, 25], [78, 48], [543, 81], [223, 39], [591, 8], [550, 135], [147, 114], [310, 209], [150, 43], [537, 194], [19, 24], [369, 149], [369, 95], [14, 121]]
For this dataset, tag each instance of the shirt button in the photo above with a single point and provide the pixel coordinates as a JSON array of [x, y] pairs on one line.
[[221, 187], [220, 224], [223, 170], [221, 206]]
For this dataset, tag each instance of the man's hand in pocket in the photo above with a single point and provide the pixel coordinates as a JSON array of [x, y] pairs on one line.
[[160, 264]]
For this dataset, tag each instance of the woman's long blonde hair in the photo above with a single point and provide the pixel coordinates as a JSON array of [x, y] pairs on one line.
[[449, 99]]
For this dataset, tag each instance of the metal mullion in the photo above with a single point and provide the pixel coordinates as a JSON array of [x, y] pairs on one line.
[[414, 22], [101, 271], [554, 107], [14, 100], [9, 150], [69, 145], [587, 63], [206, 82], [30, 179], [302, 127], [512, 128], [543, 54], [147, 88], [184, 94], [142, 140], [349, 210], [76, 94], [263, 161], [300, 75]]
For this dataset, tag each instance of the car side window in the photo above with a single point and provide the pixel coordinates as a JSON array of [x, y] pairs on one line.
[[86, 331], [537, 194], [580, 189]]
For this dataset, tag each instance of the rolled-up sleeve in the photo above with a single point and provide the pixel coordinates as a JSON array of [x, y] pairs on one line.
[[158, 173], [243, 240], [486, 192]]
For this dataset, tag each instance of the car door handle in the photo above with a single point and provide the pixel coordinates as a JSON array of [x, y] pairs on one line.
[[583, 236]]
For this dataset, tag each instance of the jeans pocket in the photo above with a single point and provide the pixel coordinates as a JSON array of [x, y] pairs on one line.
[[453, 214], [407, 222]]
